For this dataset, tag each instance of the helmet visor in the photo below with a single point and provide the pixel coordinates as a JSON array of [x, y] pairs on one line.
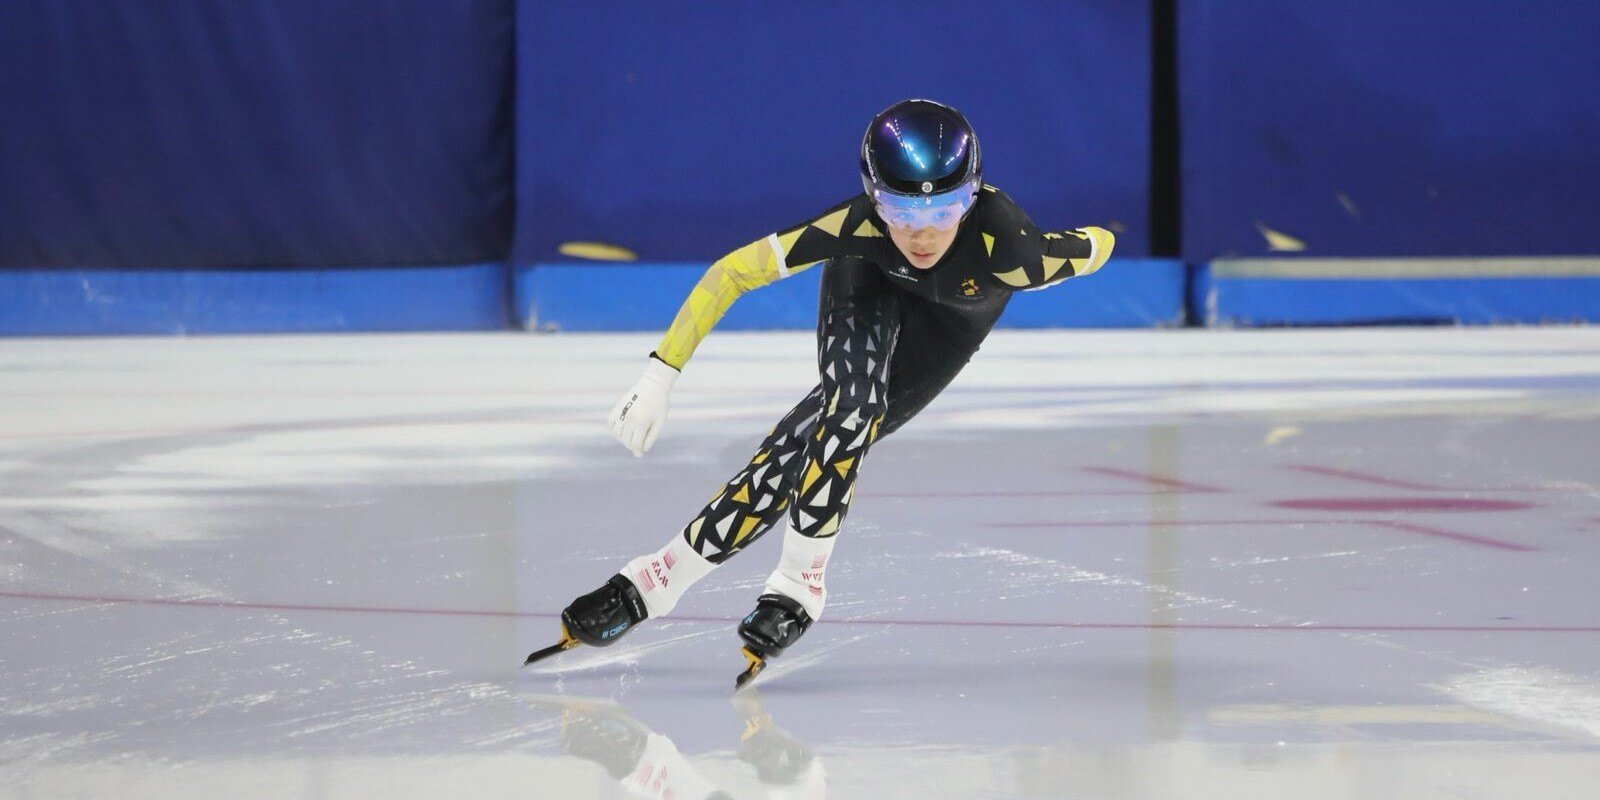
[[939, 211]]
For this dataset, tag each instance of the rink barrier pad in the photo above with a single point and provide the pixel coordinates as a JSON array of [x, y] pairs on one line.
[[103, 302], [1439, 291], [1126, 293], [645, 297]]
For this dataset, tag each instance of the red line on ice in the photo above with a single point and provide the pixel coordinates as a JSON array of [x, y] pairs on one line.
[[294, 425], [534, 419], [1368, 478], [1377, 505], [1409, 527], [1146, 523], [1155, 479], [200, 603], [1199, 626], [1396, 483], [1428, 530], [999, 493], [1220, 626]]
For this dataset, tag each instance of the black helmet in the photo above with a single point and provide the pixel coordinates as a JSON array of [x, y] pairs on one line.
[[919, 153]]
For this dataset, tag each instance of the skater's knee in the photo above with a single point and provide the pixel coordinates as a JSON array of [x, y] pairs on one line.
[[859, 397]]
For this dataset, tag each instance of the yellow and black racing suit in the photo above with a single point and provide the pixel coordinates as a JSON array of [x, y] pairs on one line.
[[890, 337]]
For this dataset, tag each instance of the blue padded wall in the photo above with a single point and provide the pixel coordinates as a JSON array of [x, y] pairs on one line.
[[645, 297], [1476, 291], [1375, 128], [684, 130], [62, 302], [1127, 292]]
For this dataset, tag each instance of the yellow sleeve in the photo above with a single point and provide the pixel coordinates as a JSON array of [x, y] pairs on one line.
[[844, 229], [750, 267]]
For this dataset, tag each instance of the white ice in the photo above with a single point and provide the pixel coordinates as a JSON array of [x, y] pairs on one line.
[[1154, 564]]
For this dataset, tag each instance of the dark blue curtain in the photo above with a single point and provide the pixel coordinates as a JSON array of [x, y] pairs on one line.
[[1371, 128], [682, 130], [254, 133]]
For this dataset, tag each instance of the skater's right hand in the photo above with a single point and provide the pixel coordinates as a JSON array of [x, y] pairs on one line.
[[641, 413]]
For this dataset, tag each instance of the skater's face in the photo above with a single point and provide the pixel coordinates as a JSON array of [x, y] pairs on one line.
[[922, 247]]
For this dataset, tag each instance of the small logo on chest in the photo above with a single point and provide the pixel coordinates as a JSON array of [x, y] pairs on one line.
[[903, 271], [969, 288]]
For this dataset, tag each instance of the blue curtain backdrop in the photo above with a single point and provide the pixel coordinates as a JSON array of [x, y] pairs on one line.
[[1375, 128], [254, 133], [683, 130]]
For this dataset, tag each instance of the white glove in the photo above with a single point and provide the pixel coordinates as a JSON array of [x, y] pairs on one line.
[[642, 412]]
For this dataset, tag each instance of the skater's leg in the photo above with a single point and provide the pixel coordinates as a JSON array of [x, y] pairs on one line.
[[743, 509], [925, 353], [651, 585], [934, 346], [855, 332], [858, 326], [748, 504]]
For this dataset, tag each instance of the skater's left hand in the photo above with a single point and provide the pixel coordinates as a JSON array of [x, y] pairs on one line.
[[640, 415]]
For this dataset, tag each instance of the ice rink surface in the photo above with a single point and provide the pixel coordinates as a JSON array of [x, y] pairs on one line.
[[1182, 564]]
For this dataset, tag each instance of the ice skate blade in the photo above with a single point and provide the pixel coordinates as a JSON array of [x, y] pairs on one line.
[[756, 665], [566, 643]]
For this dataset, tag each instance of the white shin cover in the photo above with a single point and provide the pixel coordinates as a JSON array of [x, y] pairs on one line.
[[663, 576], [799, 575]]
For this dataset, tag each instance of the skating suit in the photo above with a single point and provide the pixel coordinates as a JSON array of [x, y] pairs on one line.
[[890, 337]]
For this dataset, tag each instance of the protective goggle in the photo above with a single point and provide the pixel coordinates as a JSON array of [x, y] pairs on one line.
[[940, 211]]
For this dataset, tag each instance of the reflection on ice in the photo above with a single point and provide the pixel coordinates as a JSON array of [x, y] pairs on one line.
[[648, 764]]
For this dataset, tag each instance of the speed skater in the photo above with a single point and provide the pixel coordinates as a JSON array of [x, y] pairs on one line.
[[916, 271]]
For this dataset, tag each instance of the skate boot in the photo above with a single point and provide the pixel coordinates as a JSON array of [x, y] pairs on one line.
[[598, 618], [777, 623]]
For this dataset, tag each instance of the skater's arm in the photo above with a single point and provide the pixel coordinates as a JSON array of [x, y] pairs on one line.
[[1033, 259], [1050, 258], [750, 267], [757, 264], [845, 229]]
